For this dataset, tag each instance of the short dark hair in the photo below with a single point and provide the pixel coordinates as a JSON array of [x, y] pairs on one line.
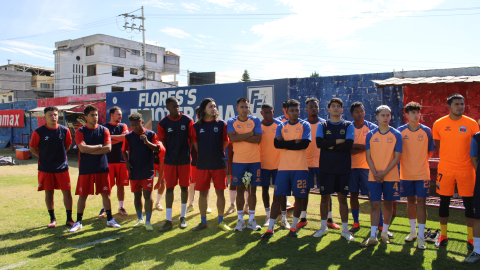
[[356, 104], [382, 108], [454, 96], [267, 106], [114, 109], [135, 117], [310, 100], [412, 106], [335, 99], [197, 109], [170, 100], [243, 99], [50, 108], [89, 108], [292, 103], [284, 105]]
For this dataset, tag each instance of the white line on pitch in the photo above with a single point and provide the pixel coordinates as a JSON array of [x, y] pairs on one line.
[[97, 242]]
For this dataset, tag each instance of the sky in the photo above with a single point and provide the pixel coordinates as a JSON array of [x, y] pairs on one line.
[[271, 39]]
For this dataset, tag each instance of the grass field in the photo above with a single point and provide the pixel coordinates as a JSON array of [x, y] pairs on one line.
[[26, 243]]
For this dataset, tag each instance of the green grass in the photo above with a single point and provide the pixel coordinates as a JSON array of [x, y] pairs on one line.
[[25, 241]]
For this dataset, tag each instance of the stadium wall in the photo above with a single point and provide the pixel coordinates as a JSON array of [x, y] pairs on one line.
[[16, 136]]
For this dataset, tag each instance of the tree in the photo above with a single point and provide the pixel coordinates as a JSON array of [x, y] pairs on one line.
[[245, 76], [314, 74]]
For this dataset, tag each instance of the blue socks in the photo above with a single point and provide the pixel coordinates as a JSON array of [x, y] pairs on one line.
[[204, 220], [380, 223], [148, 215], [220, 219], [355, 214], [140, 215]]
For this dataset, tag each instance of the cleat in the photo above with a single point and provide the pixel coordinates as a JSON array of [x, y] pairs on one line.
[[52, 224], [139, 223], [321, 232], [148, 227], [390, 235], [69, 223], [427, 233], [159, 207], [224, 227], [253, 225], [267, 222], [102, 213], [411, 237], [441, 241], [385, 238], [240, 225], [347, 235], [199, 227], [122, 211], [421, 243], [166, 226], [332, 224], [472, 258], [293, 233], [190, 208], [303, 222], [372, 241], [112, 223], [355, 228], [470, 245], [76, 227], [433, 236], [285, 224], [289, 204], [209, 210], [183, 223], [267, 235], [230, 210]]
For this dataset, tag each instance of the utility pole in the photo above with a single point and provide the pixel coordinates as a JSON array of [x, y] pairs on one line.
[[140, 28]]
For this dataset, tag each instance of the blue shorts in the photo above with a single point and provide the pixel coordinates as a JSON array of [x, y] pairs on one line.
[[289, 182], [389, 190], [311, 177], [476, 198], [419, 188], [331, 183], [265, 175], [239, 169], [359, 181]]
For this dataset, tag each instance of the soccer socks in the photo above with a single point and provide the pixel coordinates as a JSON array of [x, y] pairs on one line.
[[79, 217], [121, 204], [324, 224], [159, 197], [284, 215], [294, 222], [413, 225], [470, 233], [345, 226], [220, 219], [240, 214], [204, 220], [69, 215], [271, 224], [355, 215], [385, 227], [233, 196], [191, 194], [183, 212], [373, 231], [52, 215], [148, 216], [169, 214], [380, 223], [421, 230], [267, 212], [303, 214], [251, 215], [140, 215], [109, 214], [443, 230], [476, 244], [330, 214]]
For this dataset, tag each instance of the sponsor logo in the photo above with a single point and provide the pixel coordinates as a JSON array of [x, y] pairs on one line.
[[342, 131], [105, 188], [258, 180], [420, 137], [114, 100], [285, 130], [80, 189], [235, 179], [215, 129], [263, 131], [346, 188], [46, 138], [149, 185], [201, 130], [239, 126], [405, 137], [10, 120], [462, 129], [396, 194], [249, 125], [329, 132], [376, 140], [389, 139], [169, 130], [298, 130], [322, 188], [401, 189], [303, 191], [448, 128], [183, 127], [258, 95]]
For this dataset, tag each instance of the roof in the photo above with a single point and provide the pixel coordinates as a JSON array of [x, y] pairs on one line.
[[38, 112], [69, 49], [426, 80], [27, 66], [169, 53]]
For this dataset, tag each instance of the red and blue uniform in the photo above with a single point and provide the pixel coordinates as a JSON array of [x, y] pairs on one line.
[[116, 164]]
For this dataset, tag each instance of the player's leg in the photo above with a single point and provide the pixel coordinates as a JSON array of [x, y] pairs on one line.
[[191, 190], [466, 187], [354, 187], [327, 187], [50, 207], [299, 187], [375, 190], [232, 191], [137, 201], [46, 182], [160, 186], [183, 172], [408, 190], [202, 185], [265, 176], [122, 181], [220, 183], [147, 196], [85, 187], [277, 201], [446, 189], [171, 180], [390, 194], [81, 204], [68, 202], [330, 222], [252, 202]]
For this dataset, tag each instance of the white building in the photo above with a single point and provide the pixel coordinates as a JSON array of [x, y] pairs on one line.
[[102, 63]]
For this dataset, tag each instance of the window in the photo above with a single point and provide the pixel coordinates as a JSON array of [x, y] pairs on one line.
[[45, 85], [92, 70], [117, 52], [171, 60], [136, 52], [89, 50], [150, 75], [117, 71], [151, 57], [134, 71], [91, 89], [133, 89], [117, 89], [9, 98]]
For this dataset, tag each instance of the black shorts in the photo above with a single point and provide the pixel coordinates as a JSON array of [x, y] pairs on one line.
[[476, 198], [331, 183]]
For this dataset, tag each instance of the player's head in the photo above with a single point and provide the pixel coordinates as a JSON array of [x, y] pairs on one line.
[[384, 115], [172, 106], [335, 107], [412, 112], [312, 106], [267, 111], [207, 108], [293, 110], [51, 115], [284, 108], [136, 121], [456, 104], [115, 114], [357, 111], [243, 106], [91, 114]]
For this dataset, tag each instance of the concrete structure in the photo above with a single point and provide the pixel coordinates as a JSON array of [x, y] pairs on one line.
[[26, 81], [102, 64], [6, 97]]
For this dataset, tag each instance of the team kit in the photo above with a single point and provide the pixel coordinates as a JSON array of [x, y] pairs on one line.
[[339, 157]]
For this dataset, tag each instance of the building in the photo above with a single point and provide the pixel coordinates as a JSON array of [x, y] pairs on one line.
[[19, 81], [102, 64]]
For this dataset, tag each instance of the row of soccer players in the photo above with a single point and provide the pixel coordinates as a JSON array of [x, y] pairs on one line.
[[340, 140]]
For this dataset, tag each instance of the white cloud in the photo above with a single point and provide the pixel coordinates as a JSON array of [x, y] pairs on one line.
[[232, 4], [25, 45], [243, 32], [204, 36], [160, 4], [174, 32], [200, 41], [191, 6], [7, 49]]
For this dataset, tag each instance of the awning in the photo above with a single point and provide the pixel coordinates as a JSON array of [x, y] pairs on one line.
[[426, 80], [38, 112]]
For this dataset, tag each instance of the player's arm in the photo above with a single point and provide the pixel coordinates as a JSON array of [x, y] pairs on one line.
[[474, 153], [68, 140], [437, 145], [234, 137], [195, 144], [391, 165], [300, 145], [34, 151], [474, 162], [371, 165], [345, 146], [430, 154], [88, 149], [118, 138], [103, 150], [328, 144], [127, 162], [256, 138], [152, 145]]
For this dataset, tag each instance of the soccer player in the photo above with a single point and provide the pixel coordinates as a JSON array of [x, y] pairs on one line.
[[158, 165], [313, 156], [335, 138], [474, 154], [293, 138], [418, 147], [176, 132], [51, 143], [139, 149], [245, 133], [270, 158], [210, 140], [232, 189], [452, 135], [359, 176], [93, 142], [116, 163], [383, 147]]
